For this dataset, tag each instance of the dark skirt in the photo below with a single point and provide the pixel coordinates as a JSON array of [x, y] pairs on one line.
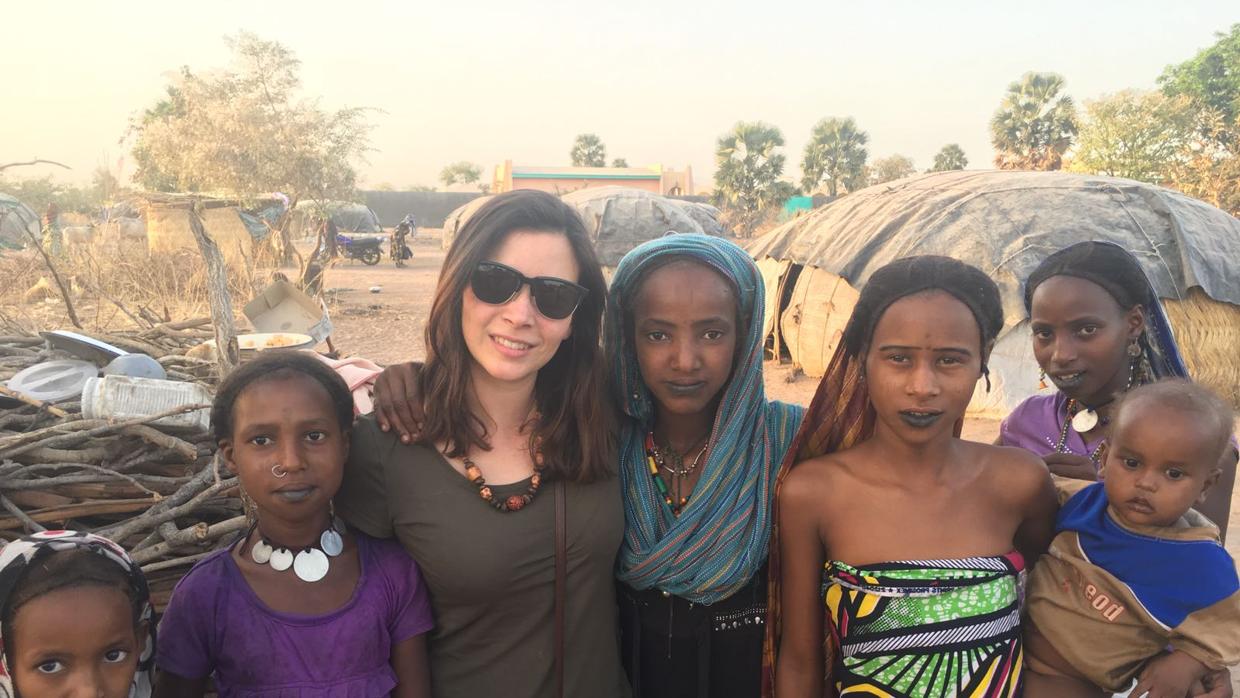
[[673, 648]]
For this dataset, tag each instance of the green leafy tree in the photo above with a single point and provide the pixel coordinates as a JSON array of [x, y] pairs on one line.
[[245, 131], [1137, 135], [891, 168], [1211, 171], [1211, 80], [748, 167], [463, 172], [588, 151], [619, 162], [950, 157], [835, 155], [1034, 125], [38, 192]]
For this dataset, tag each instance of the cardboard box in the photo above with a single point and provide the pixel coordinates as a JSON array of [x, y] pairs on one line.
[[282, 307]]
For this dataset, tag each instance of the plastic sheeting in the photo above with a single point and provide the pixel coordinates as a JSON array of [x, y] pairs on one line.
[[704, 215], [348, 217], [452, 224], [1005, 223], [619, 219], [773, 272], [16, 219]]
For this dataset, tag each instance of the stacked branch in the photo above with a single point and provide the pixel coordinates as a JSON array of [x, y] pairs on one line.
[[159, 492]]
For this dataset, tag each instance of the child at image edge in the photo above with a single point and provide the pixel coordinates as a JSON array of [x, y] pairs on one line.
[[1133, 570]]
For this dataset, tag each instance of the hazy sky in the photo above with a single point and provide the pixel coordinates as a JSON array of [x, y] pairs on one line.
[[658, 81]]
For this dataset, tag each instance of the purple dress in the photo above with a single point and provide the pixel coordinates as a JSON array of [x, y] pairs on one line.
[[1037, 424], [216, 625]]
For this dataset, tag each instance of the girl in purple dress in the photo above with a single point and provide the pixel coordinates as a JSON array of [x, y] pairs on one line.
[[1098, 330], [299, 605]]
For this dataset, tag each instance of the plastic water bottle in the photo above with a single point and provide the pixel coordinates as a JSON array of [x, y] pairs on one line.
[[124, 397]]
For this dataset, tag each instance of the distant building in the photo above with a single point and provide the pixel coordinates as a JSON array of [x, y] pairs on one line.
[[561, 180]]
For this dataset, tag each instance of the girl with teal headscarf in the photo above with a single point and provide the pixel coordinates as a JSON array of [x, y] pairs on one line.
[[699, 449]]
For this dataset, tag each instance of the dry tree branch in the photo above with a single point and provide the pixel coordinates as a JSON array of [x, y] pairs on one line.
[[36, 161], [64, 293]]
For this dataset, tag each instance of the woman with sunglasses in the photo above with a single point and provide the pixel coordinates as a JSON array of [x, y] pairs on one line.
[[514, 371]]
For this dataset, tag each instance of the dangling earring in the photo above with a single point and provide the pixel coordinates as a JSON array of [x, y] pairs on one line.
[[1041, 379], [1137, 375], [249, 508]]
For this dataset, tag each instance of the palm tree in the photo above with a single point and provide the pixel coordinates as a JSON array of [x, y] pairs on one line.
[[749, 167], [951, 157], [588, 151], [1034, 124], [835, 153]]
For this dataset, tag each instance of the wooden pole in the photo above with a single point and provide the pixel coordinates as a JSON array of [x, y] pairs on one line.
[[228, 355], [60, 284]]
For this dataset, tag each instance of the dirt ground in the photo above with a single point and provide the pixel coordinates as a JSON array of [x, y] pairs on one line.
[[387, 326]]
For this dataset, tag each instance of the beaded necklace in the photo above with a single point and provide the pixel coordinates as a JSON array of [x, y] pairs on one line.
[[515, 502], [657, 459]]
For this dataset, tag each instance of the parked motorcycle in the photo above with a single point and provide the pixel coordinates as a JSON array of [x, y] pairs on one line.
[[368, 250]]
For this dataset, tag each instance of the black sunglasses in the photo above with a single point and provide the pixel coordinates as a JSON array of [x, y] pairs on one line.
[[496, 284]]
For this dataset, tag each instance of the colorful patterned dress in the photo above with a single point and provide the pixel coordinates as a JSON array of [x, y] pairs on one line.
[[926, 627]]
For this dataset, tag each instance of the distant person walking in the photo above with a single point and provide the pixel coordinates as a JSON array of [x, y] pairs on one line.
[[405, 229]]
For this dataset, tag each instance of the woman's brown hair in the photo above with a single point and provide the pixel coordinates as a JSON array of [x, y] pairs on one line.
[[576, 429]]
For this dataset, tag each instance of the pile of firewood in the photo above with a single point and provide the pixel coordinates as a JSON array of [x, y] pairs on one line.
[[159, 492]]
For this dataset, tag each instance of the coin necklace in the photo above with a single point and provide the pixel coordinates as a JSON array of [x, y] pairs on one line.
[[1080, 426], [311, 563]]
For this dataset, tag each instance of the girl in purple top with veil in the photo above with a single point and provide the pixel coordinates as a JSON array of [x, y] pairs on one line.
[[1098, 330]]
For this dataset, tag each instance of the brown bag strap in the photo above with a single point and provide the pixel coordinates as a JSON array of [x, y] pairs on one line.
[[561, 583]]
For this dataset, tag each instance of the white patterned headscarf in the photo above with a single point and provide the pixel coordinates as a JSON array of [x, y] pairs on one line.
[[18, 557]]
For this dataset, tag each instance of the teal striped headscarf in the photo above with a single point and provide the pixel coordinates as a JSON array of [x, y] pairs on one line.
[[720, 540]]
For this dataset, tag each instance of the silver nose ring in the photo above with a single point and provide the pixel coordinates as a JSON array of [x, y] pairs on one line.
[[278, 471]]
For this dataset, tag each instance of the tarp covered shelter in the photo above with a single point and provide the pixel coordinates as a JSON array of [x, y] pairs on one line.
[[1006, 223], [16, 219], [349, 217], [452, 224], [619, 218], [705, 215]]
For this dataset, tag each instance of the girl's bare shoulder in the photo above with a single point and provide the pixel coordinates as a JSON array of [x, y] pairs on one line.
[[816, 480], [1010, 469]]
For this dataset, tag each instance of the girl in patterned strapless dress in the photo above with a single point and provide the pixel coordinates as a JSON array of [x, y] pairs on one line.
[[913, 539]]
